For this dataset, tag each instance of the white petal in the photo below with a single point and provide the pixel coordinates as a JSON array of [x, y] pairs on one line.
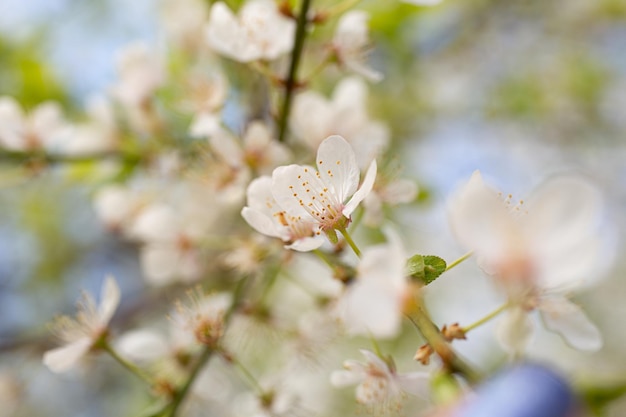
[[261, 222], [311, 118], [156, 223], [346, 378], [288, 180], [514, 330], [371, 308], [226, 147], [110, 299], [337, 166], [159, 263], [366, 188], [416, 383], [142, 345], [307, 244], [65, 357], [569, 320], [479, 219], [562, 224]]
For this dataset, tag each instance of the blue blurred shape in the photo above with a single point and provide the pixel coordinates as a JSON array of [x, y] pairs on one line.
[[527, 390]]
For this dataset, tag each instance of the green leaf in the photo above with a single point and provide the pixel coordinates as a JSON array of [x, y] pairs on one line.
[[435, 266], [425, 268], [415, 267]]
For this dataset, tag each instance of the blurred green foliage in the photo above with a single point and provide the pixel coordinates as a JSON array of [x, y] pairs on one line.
[[26, 76]]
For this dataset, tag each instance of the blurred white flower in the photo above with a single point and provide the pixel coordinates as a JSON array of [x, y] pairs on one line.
[[43, 128], [259, 32], [396, 191], [375, 302], [171, 237], [314, 118], [184, 21], [538, 252], [351, 43], [202, 316], [80, 335], [378, 382], [99, 134], [140, 74], [328, 195], [265, 215], [258, 149]]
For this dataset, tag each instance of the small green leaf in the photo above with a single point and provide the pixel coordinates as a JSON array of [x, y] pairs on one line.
[[434, 266], [415, 267], [426, 269]]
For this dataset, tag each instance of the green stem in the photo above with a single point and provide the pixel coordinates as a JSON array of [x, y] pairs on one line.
[[50, 158], [296, 54], [485, 319], [458, 261], [126, 364], [172, 408], [419, 316], [181, 394], [320, 254], [348, 239]]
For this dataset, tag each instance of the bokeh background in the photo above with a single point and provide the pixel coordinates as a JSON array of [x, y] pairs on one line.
[[521, 90]]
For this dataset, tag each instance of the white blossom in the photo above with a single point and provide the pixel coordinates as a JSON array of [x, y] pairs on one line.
[[392, 192], [327, 196], [374, 303], [378, 382], [42, 128], [170, 244], [265, 215], [259, 32], [202, 316], [314, 118], [351, 43], [81, 334], [140, 74], [538, 252]]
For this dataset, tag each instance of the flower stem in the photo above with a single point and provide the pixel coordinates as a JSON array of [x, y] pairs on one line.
[[419, 316], [348, 238], [485, 319], [171, 409], [54, 158], [126, 364], [181, 394], [458, 261], [290, 83]]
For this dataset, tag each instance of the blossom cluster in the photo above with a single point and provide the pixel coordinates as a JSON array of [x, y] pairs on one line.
[[264, 212]]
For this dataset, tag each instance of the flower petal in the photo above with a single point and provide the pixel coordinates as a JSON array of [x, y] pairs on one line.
[[366, 188], [307, 244], [260, 222], [110, 299], [563, 224], [346, 378], [64, 358], [416, 383], [479, 219], [570, 322], [514, 330], [337, 167], [371, 308]]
